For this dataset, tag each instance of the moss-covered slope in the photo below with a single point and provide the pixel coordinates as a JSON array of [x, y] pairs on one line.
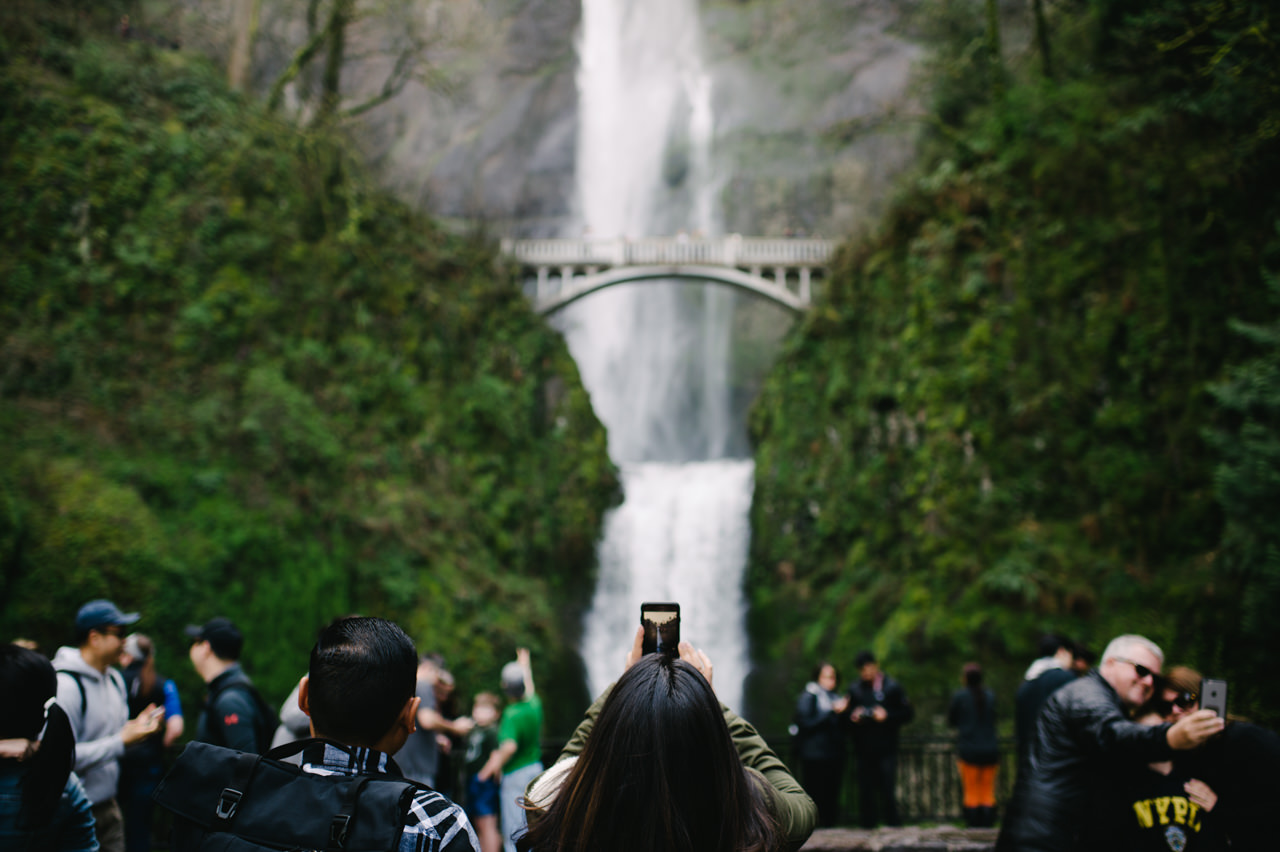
[[995, 422], [237, 379]]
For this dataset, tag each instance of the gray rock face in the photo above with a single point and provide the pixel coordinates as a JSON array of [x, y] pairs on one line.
[[809, 105], [809, 102], [495, 138]]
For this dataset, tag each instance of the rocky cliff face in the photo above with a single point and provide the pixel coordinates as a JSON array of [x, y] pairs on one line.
[[494, 138], [810, 98]]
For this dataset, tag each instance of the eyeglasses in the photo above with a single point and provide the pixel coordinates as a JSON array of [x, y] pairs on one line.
[[1184, 700], [1143, 671], [114, 630]]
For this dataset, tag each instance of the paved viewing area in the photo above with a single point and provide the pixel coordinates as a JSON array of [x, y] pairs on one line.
[[940, 838], [780, 269]]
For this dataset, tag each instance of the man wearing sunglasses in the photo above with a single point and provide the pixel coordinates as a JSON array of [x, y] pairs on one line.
[[92, 694], [1084, 735]]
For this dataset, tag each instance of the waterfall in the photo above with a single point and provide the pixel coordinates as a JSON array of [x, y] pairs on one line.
[[655, 356]]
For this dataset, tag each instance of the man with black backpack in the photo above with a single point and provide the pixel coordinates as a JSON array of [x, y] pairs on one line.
[[235, 714], [92, 694], [348, 793]]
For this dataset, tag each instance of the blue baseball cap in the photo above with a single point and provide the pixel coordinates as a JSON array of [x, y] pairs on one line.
[[102, 613]]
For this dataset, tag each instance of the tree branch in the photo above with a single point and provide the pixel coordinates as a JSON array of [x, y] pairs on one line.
[[299, 62], [392, 86]]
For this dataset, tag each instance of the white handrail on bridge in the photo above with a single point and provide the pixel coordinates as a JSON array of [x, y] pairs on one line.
[[734, 250]]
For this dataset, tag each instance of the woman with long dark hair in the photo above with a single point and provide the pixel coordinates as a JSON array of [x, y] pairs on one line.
[[42, 805], [660, 764], [973, 714]]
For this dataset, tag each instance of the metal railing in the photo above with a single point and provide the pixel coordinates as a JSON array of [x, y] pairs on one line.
[[928, 786], [736, 251]]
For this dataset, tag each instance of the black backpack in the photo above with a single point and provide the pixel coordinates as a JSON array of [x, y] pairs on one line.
[[266, 720], [235, 801]]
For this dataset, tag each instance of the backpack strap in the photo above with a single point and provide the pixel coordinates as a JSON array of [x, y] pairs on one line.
[[229, 800], [266, 715], [84, 699], [341, 822], [112, 675]]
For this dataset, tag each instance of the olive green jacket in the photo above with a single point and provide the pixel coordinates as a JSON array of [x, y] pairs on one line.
[[790, 804]]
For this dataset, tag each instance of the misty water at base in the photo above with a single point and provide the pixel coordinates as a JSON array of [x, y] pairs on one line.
[[656, 357]]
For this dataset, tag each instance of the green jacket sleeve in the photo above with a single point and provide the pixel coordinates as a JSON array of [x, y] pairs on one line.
[[791, 806], [794, 810]]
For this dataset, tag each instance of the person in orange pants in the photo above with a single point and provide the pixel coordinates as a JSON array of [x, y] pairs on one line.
[[973, 714]]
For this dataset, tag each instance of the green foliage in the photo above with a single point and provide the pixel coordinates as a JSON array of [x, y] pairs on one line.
[[992, 425], [239, 379], [1247, 483]]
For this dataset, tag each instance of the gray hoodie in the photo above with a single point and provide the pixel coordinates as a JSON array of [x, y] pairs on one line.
[[99, 745]]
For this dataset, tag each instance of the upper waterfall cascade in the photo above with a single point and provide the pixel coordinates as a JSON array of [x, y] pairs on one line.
[[656, 358]]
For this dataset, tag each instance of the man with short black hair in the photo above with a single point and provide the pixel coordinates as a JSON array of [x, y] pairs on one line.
[[360, 694], [876, 710], [93, 696], [1084, 734], [235, 714], [1048, 673]]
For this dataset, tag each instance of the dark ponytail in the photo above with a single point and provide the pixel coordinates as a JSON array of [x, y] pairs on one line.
[[973, 680], [29, 682]]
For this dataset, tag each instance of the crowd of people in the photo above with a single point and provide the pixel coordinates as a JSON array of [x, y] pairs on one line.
[[370, 730], [1117, 753], [1113, 756]]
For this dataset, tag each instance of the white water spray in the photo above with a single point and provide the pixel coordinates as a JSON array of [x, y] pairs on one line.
[[655, 356]]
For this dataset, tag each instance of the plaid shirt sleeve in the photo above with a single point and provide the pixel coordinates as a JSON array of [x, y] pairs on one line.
[[435, 824]]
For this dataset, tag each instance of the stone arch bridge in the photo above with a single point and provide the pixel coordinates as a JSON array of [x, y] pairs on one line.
[[782, 270]]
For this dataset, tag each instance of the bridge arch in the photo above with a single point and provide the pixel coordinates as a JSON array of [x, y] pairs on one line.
[[587, 284]]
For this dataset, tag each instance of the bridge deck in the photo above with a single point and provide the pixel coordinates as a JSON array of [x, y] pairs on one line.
[[735, 251], [761, 265]]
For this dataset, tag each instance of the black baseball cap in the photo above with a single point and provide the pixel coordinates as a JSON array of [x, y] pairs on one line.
[[223, 637], [102, 613]]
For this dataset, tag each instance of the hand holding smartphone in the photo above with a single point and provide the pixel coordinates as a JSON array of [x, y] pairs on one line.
[[661, 623], [1213, 696]]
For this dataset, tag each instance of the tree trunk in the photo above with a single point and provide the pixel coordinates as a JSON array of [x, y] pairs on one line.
[[1042, 38], [994, 56], [244, 26], [331, 80]]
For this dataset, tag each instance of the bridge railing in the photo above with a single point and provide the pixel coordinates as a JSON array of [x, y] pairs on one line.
[[733, 251]]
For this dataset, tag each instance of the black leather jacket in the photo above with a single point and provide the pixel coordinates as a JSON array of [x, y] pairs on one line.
[[1083, 735]]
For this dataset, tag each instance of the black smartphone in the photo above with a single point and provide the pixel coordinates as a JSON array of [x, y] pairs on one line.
[[661, 623], [1213, 696]]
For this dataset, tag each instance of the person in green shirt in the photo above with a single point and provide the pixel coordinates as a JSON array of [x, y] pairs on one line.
[[518, 757]]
